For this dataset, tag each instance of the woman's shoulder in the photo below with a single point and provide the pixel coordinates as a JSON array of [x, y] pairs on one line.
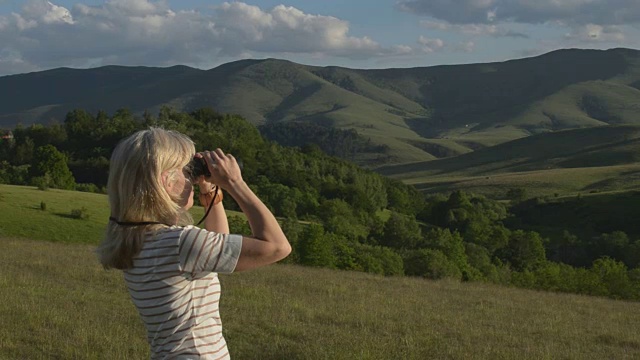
[[167, 232], [175, 230]]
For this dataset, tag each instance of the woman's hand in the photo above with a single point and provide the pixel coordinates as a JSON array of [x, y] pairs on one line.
[[224, 169], [207, 190], [214, 195]]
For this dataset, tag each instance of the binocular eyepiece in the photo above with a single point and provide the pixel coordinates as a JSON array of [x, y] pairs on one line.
[[198, 166]]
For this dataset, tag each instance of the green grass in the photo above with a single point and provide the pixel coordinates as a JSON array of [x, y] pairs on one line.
[[566, 162], [586, 216], [22, 216], [564, 182], [57, 303]]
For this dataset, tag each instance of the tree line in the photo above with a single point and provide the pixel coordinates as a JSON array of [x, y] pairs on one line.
[[336, 214]]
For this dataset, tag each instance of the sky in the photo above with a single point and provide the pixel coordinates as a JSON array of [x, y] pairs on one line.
[[37, 35]]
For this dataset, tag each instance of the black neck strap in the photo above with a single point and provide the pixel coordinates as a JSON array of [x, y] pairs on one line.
[[141, 223], [215, 194]]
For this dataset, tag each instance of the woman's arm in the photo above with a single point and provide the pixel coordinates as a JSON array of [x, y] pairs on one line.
[[268, 243], [217, 218]]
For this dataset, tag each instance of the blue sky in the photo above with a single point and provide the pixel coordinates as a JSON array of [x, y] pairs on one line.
[[37, 35]]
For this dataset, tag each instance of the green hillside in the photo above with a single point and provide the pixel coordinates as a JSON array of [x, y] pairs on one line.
[[417, 114], [57, 302], [21, 206], [601, 158], [587, 216]]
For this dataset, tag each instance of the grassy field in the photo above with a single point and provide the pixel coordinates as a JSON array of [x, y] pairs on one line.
[[586, 216], [22, 215], [564, 182], [56, 302], [565, 163]]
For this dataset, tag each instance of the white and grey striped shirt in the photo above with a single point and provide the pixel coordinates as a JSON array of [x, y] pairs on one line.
[[174, 284]]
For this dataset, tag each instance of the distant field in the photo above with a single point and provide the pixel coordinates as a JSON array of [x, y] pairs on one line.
[[564, 182], [567, 162], [56, 302]]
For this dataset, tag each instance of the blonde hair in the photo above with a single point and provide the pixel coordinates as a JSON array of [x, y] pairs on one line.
[[137, 194]]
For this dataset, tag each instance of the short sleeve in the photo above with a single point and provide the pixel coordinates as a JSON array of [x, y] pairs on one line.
[[203, 251]]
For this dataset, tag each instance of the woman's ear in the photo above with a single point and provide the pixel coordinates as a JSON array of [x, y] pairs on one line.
[[166, 181]]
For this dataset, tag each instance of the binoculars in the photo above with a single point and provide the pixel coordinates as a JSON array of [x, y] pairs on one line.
[[198, 166]]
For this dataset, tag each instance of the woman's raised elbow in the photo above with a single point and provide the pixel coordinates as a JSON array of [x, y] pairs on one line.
[[281, 250], [285, 250], [263, 252]]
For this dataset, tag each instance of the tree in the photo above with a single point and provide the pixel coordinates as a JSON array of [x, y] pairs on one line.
[[24, 151], [632, 256], [525, 250], [614, 245], [293, 230], [315, 247], [239, 225], [479, 258], [79, 124], [429, 263], [613, 274], [569, 250], [484, 233], [404, 199], [338, 217], [401, 232], [378, 260], [450, 244], [51, 164], [279, 198]]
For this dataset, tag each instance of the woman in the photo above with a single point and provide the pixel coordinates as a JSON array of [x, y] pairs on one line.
[[171, 267]]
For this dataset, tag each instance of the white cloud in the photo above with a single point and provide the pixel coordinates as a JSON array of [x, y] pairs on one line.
[[22, 23], [467, 46], [596, 33], [472, 29], [430, 45], [287, 29], [45, 35], [47, 13], [13, 63], [574, 12], [402, 50], [492, 15]]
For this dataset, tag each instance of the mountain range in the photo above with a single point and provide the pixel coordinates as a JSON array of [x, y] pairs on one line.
[[417, 115]]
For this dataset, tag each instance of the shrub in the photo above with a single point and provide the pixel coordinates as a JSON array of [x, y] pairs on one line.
[[238, 225], [431, 264], [316, 248], [80, 213], [87, 188], [41, 182]]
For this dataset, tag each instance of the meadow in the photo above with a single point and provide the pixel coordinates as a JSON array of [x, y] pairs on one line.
[[568, 162], [56, 302], [551, 182]]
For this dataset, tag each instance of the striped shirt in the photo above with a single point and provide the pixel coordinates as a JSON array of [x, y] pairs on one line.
[[174, 284]]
